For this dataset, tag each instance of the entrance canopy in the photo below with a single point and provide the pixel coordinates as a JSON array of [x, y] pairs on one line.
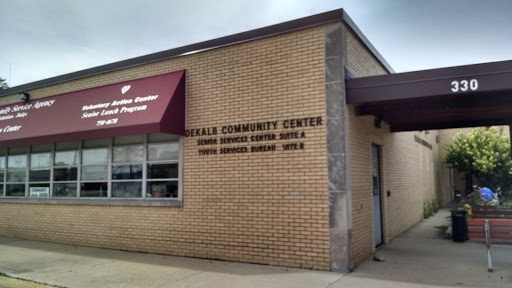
[[463, 96], [148, 105]]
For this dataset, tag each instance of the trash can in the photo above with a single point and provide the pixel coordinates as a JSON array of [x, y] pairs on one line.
[[459, 226]]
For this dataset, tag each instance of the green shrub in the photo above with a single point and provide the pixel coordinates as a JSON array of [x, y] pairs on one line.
[[507, 201], [484, 153], [430, 208]]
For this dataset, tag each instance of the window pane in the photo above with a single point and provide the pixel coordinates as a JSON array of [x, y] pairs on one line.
[[17, 150], [16, 176], [127, 189], [1, 179], [162, 171], [39, 190], [2, 162], [65, 174], [162, 189], [97, 189], [41, 160], [39, 175], [161, 137], [93, 143], [94, 173], [17, 161], [127, 172], [66, 146], [41, 148], [131, 139], [64, 190], [164, 151], [95, 156], [15, 190], [65, 158], [128, 154]]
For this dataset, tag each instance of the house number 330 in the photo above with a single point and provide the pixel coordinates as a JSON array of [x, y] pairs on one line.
[[464, 85]]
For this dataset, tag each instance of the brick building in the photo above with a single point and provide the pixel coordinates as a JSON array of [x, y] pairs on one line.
[[244, 151]]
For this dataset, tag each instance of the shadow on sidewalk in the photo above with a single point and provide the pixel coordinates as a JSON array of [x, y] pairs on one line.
[[38, 251], [421, 255]]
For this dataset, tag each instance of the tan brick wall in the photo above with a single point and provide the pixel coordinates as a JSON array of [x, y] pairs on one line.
[[408, 169], [450, 180], [360, 60], [267, 207]]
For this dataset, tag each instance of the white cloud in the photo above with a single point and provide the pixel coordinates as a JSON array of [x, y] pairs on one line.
[[54, 37]]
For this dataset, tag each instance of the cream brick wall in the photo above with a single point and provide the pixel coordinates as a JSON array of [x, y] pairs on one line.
[[449, 178], [267, 207], [360, 60], [408, 169]]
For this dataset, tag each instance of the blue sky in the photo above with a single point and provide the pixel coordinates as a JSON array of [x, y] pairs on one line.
[[42, 39]]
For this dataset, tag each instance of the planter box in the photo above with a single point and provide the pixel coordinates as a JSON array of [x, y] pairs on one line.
[[498, 212], [501, 230]]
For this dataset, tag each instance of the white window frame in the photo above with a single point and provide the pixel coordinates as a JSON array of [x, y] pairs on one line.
[[109, 200]]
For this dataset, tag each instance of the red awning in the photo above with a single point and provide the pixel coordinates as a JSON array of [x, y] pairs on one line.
[[147, 105]]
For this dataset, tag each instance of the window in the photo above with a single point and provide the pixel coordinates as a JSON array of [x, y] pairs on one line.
[[40, 171], [94, 169], [16, 172], [163, 170], [65, 169], [127, 167], [138, 167], [2, 170]]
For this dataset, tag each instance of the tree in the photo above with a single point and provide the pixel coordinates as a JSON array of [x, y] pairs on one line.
[[3, 84], [484, 153]]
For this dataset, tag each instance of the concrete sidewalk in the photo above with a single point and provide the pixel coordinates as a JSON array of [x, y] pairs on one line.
[[420, 257], [73, 266]]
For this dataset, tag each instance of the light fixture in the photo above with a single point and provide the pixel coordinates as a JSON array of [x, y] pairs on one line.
[[24, 96]]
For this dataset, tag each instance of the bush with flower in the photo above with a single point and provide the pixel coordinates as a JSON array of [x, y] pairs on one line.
[[467, 208]]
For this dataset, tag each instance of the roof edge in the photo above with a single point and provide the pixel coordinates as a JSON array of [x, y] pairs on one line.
[[366, 42], [272, 30], [451, 72]]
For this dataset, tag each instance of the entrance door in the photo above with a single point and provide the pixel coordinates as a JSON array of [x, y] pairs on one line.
[[377, 214]]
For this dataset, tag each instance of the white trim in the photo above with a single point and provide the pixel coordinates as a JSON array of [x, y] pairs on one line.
[[109, 177], [160, 202], [109, 200], [145, 166], [180, 169]]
